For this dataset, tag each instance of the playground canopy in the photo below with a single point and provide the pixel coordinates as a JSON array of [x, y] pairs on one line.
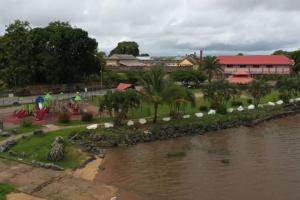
[[39, 99], [77, 98], [48, 97]]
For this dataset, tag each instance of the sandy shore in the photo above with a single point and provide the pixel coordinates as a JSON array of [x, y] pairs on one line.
[[21, 196], [90, 171], [53, 185]]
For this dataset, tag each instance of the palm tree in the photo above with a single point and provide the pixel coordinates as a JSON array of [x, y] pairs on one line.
[[218, 93], [211, 65], [177, 97], [257, 90], [288, 88], [154, 86], [120, 103]]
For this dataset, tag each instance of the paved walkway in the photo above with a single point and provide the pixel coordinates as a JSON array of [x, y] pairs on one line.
[[8, 101]]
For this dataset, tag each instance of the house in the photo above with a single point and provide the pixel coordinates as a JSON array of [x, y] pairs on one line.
[[256, 64], [147, 60], [240, 77], [123, 61], [190, 61]]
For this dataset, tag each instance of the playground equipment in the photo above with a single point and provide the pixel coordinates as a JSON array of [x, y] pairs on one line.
[[74, 104], [41, 110]]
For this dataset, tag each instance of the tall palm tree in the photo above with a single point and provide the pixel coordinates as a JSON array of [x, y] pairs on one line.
[[154, 86], [211, 65], [257, 90]]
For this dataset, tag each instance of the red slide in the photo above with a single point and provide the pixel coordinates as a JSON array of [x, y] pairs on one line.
[[41, 114], [21, 113]]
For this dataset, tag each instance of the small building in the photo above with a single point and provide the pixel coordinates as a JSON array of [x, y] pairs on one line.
[[240, 77], [190, 61], [256, 64], [126, 62], [146, 60]]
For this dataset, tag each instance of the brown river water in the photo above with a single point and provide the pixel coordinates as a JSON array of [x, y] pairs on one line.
[[261, 163]]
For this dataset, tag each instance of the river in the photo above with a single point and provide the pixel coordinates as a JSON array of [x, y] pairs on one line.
[[258, 163]]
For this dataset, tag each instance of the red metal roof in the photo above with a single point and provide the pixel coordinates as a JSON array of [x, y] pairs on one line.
[[256, 60], [124, 86]]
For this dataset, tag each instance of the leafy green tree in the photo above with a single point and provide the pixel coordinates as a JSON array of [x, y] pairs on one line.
[[211, 65], [15, 54], [126, 47], [295, 55], [189, 77], [57, 53], [258, 89], [217, 92], [120, 103], [288, 88], [177, 97], [154, 86]]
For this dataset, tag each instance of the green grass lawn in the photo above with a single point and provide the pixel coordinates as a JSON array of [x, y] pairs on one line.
[[37, 148], [5, 189], [147, 110], [25, 129]]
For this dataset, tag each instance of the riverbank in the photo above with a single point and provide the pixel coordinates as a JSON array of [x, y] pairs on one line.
[[94, 141]]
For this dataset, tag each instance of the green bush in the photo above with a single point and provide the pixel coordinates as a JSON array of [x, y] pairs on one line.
[[25, 123], [221, 109], [5, 189], [87, 117], [64, 118], [236, 103], [203, 108], [249, 101]]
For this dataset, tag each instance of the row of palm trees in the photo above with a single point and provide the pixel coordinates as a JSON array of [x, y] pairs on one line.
[[157, 91]]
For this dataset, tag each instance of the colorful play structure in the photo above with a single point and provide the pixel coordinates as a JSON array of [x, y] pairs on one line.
[[41, 107], [74, 104]]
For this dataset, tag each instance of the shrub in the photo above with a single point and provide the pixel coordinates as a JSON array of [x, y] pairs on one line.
[[5, 189], [87, 117], [64, 118], [203, 108], [249, 101], [221, 109], [236, 103], [26, 123]]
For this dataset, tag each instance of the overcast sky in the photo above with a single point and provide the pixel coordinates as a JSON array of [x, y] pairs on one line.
[[171, 27]]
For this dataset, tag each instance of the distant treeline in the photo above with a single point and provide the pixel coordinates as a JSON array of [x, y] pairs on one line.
[[57, 53]]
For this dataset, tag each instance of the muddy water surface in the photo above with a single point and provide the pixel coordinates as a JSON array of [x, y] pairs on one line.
[[242, 163]]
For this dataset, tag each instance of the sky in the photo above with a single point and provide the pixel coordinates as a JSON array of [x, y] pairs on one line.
[[171, 27]]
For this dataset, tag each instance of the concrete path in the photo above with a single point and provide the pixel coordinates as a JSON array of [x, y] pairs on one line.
[[8, 101]]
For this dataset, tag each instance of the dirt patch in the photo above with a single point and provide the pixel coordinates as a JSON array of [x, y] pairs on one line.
[[198, 94], [21, 196], [52, 185], [90, 171]]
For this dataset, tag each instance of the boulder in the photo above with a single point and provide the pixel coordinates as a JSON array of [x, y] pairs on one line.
[[212, 112], [7, 145], [199, 115]]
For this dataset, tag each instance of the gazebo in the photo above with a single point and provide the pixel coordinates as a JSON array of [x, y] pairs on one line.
[[240, 77]]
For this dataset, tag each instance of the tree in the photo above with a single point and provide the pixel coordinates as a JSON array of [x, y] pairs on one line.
[[144, 55], [154, 86], [217, 92], [295, 55], [126, 47], [177, 97], [57, 53], [120, 102], [189, 77], [288, 87], [15, 54], [211, 65], [257, 90]]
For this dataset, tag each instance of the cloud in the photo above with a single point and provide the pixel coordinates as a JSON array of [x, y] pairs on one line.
[[171, 27]]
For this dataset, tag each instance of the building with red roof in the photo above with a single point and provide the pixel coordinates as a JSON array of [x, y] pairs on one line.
[[240, 77], [256, 64]]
